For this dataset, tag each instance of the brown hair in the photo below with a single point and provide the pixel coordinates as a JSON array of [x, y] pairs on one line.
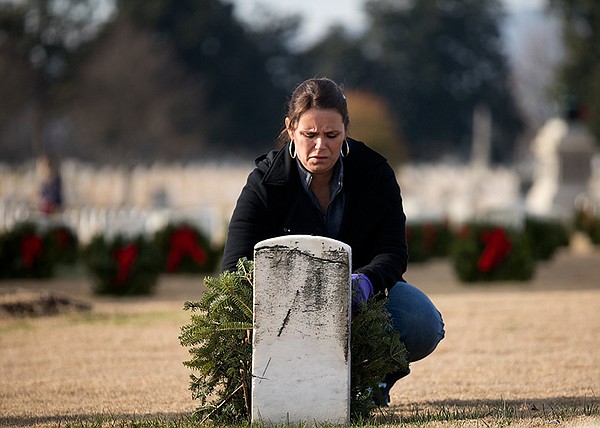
[[318, 93]]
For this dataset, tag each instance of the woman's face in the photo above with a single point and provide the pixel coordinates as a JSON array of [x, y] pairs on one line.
[[319, 137]]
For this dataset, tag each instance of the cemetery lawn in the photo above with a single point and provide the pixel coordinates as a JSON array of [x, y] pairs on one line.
[[515, 354]]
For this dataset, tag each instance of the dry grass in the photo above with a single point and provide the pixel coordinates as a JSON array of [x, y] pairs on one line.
[[515, 354]]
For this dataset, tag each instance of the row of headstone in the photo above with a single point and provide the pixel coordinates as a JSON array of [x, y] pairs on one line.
[[457, 193], [89, 221], [442, 190], [186, 189], [563, 163], [157, 186]]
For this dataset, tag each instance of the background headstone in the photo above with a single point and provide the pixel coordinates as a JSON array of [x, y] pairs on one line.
[[301, 339]]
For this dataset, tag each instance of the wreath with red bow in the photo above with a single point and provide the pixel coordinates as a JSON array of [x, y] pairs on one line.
[[483, 252], [184, 249], [26, 252], [122, 265]]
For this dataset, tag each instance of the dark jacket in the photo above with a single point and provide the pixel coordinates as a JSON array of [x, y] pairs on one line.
[[273, 203]]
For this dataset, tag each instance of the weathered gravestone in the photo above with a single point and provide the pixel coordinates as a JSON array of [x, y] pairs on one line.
[[301, 338]]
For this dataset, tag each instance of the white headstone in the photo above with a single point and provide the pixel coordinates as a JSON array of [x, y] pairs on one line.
[[482, 137], [301, 338]]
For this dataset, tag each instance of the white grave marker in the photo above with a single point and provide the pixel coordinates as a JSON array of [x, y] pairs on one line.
[[301, 338]]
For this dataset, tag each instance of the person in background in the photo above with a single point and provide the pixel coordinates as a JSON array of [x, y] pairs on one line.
[[50, 191], [322, 182]]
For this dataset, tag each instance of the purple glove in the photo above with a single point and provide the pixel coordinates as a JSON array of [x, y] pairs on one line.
[[362, 288]]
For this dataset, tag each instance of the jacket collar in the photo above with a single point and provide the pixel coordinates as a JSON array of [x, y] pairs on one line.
[[279, 166]]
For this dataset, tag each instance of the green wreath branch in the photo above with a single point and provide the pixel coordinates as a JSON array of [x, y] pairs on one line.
[[219, 338]]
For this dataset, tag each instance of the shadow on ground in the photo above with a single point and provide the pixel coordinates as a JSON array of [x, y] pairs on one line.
[[553, 409], [109, 419]]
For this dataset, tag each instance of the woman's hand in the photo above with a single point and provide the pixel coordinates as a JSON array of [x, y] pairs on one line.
[[362, 290]]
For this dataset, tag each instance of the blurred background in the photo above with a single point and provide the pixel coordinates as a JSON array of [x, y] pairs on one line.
[[139, 111]]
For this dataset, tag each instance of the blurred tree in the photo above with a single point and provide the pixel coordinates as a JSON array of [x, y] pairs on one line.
[[580, 73], [341, 56], [167, 80], [15, 77], [372, 122], [183, 78], [439, 60], [39, 41], [273, 36], [242, 105], [136, 102], [535, 61]]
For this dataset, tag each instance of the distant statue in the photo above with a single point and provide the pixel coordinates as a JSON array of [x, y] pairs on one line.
[[540, 198], [50, 190], [563, 151]]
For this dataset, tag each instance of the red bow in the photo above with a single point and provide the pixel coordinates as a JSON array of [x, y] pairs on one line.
[[497, 247], [31, 248], [183, 241], [125, 257]]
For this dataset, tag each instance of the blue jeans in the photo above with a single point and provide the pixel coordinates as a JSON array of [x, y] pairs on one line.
[[417, 320]]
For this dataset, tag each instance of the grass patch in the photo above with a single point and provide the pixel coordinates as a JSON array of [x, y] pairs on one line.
[[9, 324], [124, 318], [569, 412], [70, 271], [111, 319], [494, 413]]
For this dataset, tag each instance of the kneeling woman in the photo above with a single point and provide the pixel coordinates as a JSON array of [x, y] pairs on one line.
[[324, 183]]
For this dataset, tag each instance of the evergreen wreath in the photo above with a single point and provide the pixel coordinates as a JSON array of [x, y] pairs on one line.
[[64, 243], [427, 240], [122, 266], [486, 252], [26, 252], [219, 336], [184, 249], [546, 236]]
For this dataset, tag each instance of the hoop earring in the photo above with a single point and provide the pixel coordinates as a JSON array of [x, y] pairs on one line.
[[292, 149], [346, 152]]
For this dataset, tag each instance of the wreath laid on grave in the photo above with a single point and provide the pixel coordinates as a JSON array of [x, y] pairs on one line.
[[484, 252], [26, 252], [122, 266], [185, 249], [219, 338]]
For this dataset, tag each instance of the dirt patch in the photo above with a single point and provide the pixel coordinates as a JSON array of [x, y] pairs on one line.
[[18, 302], [527, 346]]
